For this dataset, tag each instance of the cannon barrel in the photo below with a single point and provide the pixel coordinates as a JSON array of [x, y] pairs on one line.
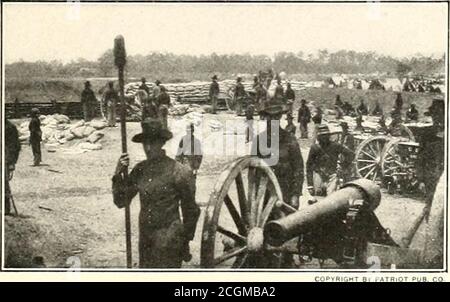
[[281, 230]]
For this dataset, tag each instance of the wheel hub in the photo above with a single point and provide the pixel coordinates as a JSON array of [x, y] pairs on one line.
[[255, 239]]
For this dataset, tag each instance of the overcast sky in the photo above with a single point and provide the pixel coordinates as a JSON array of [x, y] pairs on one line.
[[59, 31]]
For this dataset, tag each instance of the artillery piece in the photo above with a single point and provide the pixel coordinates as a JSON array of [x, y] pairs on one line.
[[265, 230]]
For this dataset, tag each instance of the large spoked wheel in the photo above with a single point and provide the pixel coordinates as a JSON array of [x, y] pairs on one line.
[[368, 158], [243, 200]]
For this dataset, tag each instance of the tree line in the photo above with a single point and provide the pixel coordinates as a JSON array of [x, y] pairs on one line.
[[322, 62]]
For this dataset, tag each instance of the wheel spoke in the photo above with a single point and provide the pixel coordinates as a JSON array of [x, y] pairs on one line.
[[375, 176], [232, 235], [258, 202], [243, 203], [370, 172], [373, 150], [251, 193], [230, 254], [240, 261], [366, 161], [267, 210], [367, 154], [235, 215], [366, 167]]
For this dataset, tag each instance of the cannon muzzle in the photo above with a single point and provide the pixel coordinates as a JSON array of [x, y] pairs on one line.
[[281, 230]]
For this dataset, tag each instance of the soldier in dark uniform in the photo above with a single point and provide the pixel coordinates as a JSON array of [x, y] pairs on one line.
[[163, 103], [286, 161], [432, 154], [290, 97], [377, 110], [396, 127], [260, 96], [239, 95], [412, 114], [347, 140], [214, 93], [249, 112], [88, 101], [279, 91], [156, 90], [110, 100], [304, 117], [398, 102], [290, 127], [12, 149], [144, 86], [35, 136], [362, 108], [322, 162], [165, 186], [338, 102], [190, 150]]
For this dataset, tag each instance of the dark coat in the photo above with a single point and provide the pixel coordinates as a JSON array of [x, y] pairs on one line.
[[88, 96], [214, 89], [12, 143], [304, 115], [289, 167], [35, 130], [323, 160], [164, 186]]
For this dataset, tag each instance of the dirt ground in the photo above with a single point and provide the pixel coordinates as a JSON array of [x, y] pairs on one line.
[[66, 204]]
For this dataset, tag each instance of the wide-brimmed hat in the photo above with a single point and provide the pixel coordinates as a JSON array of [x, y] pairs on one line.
[[214, 77], [323, 130], [152, 129], [239, 79], [273, 108], [34, 110], [87, 83], [157, 82]]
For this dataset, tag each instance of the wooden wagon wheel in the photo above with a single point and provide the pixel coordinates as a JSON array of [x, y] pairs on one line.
[[233, 234], [368, 158]]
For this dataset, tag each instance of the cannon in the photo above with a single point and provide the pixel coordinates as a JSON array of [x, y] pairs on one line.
[[248, 225]]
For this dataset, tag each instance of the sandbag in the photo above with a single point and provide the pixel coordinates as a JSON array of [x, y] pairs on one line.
[[77, 124], [90, 146], [88, 130], [69, 136], [95, 136], [98, 124], [61, 118], [78, 132]]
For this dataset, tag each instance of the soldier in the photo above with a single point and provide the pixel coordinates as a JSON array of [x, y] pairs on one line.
[[255, 82], [249, 112], [396, 127], [304, 117], [290, 128], [432, 154], [377, 110], [214, 91], [347, 138], [338, 102], [359, 120], [260, 96], [190, 150], [362, 108], [88, 101], [239, 96], [144, 86], [322, 162], [35, 136], [398, 102], [290, 97], [12, 149], [156, 89], [165, 186], [348, 109], [110, 99], [163, 104], [412, 114], [279, 91], [286, 161]]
